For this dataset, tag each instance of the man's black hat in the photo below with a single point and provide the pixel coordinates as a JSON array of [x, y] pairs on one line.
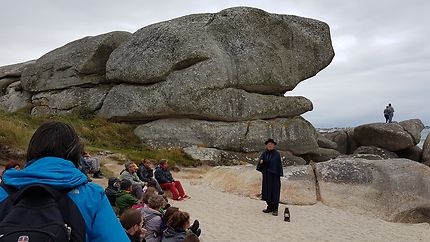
[[270, 141]]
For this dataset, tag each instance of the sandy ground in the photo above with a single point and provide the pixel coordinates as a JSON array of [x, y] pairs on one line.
[[229, 217]]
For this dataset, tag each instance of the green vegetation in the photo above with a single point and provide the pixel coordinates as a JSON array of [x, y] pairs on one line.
[[98, 134]]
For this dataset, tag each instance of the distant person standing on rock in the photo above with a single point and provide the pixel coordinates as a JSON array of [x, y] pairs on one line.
[[390, 113], [386, 114], [270, 166]]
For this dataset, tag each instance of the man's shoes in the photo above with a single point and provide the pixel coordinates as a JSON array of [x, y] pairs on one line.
[[98, 175], [179, 199], [267, 210], [275, 213], [186, 197]]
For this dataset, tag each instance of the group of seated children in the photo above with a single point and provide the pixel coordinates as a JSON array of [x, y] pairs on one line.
[[137, 193]]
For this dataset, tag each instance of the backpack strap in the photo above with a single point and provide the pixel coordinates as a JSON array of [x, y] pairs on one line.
[[8, 189], [72, 217]]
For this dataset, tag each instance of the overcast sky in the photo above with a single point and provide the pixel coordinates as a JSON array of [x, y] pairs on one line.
[[382, 47]]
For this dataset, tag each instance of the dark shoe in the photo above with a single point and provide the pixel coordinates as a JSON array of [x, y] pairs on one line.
[[275, 213], [195, 226], [267, 210], [97, 176]]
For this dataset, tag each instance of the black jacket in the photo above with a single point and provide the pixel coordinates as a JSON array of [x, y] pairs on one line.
[[145, 174], [271, 162], [163, 176], [111, 191]]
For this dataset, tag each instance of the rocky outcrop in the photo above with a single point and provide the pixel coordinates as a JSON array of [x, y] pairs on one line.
[[414, 128], [323, 142], [246, 48], [382, 153], [425, 158], [172, 100], [391, 136], [289, 159], [202, 67], [12, 96], [321, 154], [292, 134], [212, 80], [15, 70], [75, 99], [344, 139], [414, 153], [396, 190], [297, 185], [78, 63]]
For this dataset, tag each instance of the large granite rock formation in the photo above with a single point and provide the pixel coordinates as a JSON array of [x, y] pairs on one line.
[[77, 63], [69, 100], [425, 158], [395, 190], [245, 48], [12, 95], [202, 66], [188, 77], [384, 154], [391, 136], [293, 134], [167, 100]]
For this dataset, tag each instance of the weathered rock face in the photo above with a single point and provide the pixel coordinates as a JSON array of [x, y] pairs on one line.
[[297, 185], [391, 136], [15, 101], [12, 97], [77, 63], [414, 128], [204, 68], [395, 190], [321, 154], [293, 134], [233, 66], [413, 153], [125, 103], [340, 138], [384, 154], [425, 158], [343, 138], [289, 159], [69, 100], [240, 47], [14, 70], [323, 142]]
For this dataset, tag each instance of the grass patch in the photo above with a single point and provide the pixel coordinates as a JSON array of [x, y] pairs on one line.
[[98, 134]]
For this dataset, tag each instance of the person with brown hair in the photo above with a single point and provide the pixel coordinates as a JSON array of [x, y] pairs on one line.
[[178, 224], [52, 161], [153, 218], [132, 221]]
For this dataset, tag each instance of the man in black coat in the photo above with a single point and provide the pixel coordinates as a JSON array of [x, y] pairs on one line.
[[270, 165], [146, 174]]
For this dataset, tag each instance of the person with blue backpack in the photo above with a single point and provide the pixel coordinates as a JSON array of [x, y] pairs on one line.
[[51, 199]]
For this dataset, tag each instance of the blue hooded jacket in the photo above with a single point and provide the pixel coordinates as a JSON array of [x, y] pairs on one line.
[[100, 221]]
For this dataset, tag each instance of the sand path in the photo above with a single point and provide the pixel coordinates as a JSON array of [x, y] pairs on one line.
[[229, 217]]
